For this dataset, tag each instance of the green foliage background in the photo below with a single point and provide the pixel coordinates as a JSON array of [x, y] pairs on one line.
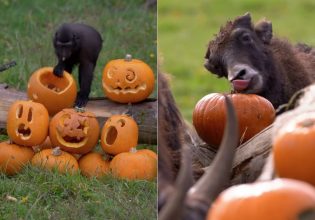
[[185, 28]]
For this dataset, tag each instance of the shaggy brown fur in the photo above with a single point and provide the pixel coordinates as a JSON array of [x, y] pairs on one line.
[[169, 123], [284, 68]]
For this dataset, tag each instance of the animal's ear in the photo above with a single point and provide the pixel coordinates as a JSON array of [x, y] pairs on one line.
[[263, 29], [244, 21], [207, 54]]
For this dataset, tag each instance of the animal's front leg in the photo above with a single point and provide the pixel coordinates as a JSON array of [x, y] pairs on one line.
[[58, 70], [85, 79], [69, 67]]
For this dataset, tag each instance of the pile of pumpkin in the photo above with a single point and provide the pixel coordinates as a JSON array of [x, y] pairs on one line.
[[66, 141], [291, 194]]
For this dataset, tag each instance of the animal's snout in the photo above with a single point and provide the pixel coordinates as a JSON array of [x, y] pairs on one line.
[[241, 76], [241, 72]]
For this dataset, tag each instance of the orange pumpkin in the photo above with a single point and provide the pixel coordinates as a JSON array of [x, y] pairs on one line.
[[127, 80], [254, 113], [134, 165], [149, 153], [119, 134], [294, 149], [94, 165], [55, 159], [55, 93], [13, 157], [74, 132], [27, 123], [271, 200], [45, 145]]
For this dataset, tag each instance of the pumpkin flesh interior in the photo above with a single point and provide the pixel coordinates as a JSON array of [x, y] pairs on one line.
[[53, 83]]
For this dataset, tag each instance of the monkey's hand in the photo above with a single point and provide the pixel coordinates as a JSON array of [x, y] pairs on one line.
[[58, 71]]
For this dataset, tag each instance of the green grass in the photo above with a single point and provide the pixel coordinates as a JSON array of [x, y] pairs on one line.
[[49, 195], [185, 28], [42, 194], [27, 28]]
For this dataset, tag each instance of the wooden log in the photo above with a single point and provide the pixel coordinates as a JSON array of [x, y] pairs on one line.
[[249, 158], [144, 113]]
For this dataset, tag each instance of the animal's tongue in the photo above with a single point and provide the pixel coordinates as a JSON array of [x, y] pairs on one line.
[[240, 85]]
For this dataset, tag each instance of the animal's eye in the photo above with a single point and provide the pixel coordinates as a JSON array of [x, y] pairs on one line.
[[246, 38]]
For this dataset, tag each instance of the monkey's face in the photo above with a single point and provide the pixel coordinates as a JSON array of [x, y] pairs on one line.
[[64, 50]]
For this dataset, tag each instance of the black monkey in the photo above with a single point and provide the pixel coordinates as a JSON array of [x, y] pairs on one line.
[[77, 44]]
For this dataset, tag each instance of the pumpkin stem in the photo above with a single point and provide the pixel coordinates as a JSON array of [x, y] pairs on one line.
[[307, 123], [106, 156], [129, 111], [56, 151], [36, 148], [133, 150], [128, 57], [79, 109]]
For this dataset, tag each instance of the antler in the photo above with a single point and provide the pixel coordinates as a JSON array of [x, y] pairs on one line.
[[217, 175], [196, 203]]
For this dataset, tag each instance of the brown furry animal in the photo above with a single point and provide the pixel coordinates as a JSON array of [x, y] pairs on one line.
[[169, 123], [255, 62]]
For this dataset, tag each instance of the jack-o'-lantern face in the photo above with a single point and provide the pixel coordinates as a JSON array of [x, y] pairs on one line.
[[74, 132], [27, 123], [119, 134], [55, 93], [127, 80]]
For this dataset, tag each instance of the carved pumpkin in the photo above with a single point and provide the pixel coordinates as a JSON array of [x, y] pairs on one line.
[[127, 80], [13, 157], [294, 149], [74, 132], [254, 113], [273, 200], [94, 165], [55, 93], [119, 134], [55, 159], [27, 123], [134, 165]]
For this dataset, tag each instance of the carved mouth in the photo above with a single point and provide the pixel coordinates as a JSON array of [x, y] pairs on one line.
[[70, 139], [126, 90], [72, 132], [111, 135], [24, 133]]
